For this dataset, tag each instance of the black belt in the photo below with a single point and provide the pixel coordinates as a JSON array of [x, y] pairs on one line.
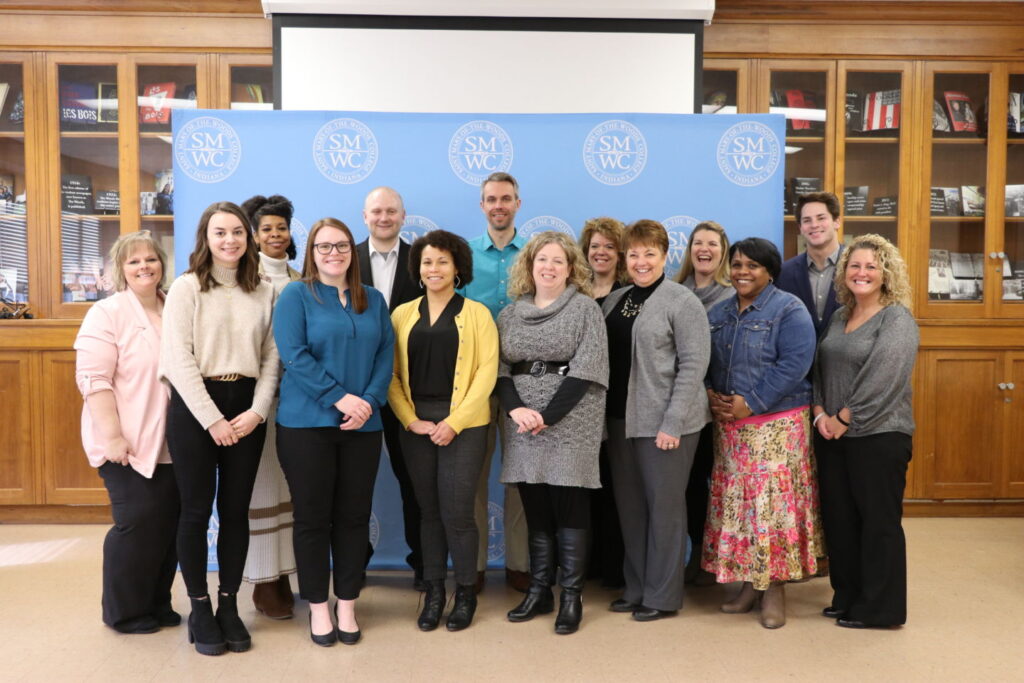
[[539, 368]]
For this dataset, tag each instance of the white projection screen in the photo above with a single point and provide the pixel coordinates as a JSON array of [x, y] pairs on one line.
[[487, 64]]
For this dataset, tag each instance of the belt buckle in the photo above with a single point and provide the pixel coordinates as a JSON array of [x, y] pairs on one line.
[[539, 368], [232, 377]]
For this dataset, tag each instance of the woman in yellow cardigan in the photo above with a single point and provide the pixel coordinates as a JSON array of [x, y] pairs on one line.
[[446, 365]]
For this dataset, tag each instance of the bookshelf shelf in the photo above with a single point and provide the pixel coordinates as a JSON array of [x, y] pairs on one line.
[[978, 220], [959, 141], [873, 141], [88, 134], [805, 139]]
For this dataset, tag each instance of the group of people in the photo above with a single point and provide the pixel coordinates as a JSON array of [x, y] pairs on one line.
[[633, 412]]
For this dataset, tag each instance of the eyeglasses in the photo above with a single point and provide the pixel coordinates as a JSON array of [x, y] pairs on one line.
[[326, 248]]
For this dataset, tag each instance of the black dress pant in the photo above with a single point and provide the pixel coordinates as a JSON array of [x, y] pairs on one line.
[[330, 474], [549, 508], [206, 471], [862, 481], [139, 555], [606, 549], [698, 490]]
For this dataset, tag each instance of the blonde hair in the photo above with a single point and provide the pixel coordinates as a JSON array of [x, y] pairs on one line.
[[721, 275], [125, 246], [611, 229], [520, 277], [895, 282]]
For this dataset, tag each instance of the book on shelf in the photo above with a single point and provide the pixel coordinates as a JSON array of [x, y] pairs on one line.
[[801, 186], [1013, 290], [945, 201], [797, 99], [155, 103], [881, 110], [4, 89], [939, 274], [884, 206], [978, 260], [249, 92], [164, 184], [17, 115], [973, 197], [965, 290], [1014, 109], [961, 113], [107, 202], [854, 112], [1014, 201], [77, 102], [147, 203], [75, 193], [855, 200], [962, 265], [106, 105], [940, 121]]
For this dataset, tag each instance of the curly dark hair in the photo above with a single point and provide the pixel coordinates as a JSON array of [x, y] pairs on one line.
[[258, 206], [462, 255]]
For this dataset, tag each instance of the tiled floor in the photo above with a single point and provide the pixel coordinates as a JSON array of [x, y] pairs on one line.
[[966, 611]]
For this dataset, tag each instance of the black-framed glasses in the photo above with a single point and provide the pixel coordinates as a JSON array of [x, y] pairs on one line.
[[326, 248]]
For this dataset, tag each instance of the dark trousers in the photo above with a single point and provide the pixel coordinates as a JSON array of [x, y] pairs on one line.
[[606, 550], [445, 479], [698, 490], [650, 491], [410, 508], [139, 555], [549, 508], [205, 472], [861, 481], [330, 474]]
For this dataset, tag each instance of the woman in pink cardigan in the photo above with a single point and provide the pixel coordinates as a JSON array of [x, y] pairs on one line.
[[123, 420]]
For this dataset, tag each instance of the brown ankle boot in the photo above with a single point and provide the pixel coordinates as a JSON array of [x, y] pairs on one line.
[[268, 599], [773, 606], [742, 603], [284, 589]]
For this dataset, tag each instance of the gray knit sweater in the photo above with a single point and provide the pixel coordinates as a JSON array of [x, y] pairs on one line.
[[868, 371], [571, 328]]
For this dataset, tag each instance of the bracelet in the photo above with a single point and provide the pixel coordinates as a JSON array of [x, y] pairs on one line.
[[816, 418], [842, 421]]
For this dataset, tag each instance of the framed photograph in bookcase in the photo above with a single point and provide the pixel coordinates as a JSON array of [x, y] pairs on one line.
[[804, 92], [872, 146], [15, 257]]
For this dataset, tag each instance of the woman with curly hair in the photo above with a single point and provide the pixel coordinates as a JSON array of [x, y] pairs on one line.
[[865, 422], [601, 243], [446, 363], [552, 382]]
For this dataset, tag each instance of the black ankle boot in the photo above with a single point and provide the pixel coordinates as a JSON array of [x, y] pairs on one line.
[[433, 605], [539, 598], [203, 629], [572, 553], [235, 633], [465, 607]]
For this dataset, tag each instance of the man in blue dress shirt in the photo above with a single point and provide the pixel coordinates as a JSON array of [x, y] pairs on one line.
[[494, 252]]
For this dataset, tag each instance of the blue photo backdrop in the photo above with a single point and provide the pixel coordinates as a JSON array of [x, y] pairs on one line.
[[677, 169]]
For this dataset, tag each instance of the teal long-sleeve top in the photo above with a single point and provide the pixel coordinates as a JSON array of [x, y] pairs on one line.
[[328, 350]]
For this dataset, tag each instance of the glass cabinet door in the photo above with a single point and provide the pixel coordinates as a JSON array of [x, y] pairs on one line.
[[958, 261], [1012, 252], [725, 87], [803, 92], [14, 208], [871, 149], [252, 87], [88, 116]]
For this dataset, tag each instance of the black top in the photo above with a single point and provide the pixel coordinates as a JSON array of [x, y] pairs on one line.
[[615, 285], [433, 350], [620, 346]]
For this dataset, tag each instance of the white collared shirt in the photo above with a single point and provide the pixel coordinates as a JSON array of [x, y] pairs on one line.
[[383, 267]]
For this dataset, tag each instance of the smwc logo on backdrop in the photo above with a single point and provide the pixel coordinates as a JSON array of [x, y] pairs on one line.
[[207, 149], [543, 224], [416, 227], [345, 151], [495, 532], [615, 152], [749, 153], [677, 227], [299, 236], [479, 149]]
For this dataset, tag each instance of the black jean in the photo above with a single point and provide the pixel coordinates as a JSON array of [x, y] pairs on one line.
[[139, 554], [445, 480], [206, 472], [549, 508], [330, 474], [861, 483]]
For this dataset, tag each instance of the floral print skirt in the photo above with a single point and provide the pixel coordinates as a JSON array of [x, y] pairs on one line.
[[764, 522]]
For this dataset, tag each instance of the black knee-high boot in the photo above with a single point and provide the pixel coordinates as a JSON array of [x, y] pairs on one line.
[[539, 598], [572, 557]]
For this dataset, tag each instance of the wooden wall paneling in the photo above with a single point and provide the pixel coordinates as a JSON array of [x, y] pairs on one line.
[[67, 475], [1013, 445], [16, 462], [995, 191], [963, 424]]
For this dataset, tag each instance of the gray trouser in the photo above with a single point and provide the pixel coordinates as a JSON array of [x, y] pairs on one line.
[[650, 492], [444, 479]]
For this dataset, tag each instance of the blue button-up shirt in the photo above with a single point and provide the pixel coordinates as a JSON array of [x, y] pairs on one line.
[[490, 271], [763, 353]]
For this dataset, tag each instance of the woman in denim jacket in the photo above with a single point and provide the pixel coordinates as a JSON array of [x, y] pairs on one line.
[[763, 523]]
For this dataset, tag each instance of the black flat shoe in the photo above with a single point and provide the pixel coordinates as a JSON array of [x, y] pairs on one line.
[[851, 623], [833, 613], [349, 637], [622, 606], [325, 640], [642, 613], [143, 624]]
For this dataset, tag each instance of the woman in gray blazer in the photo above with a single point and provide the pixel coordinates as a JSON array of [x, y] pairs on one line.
[[656, 408]]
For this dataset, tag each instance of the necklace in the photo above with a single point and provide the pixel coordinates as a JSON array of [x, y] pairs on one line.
[[630, 309]]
